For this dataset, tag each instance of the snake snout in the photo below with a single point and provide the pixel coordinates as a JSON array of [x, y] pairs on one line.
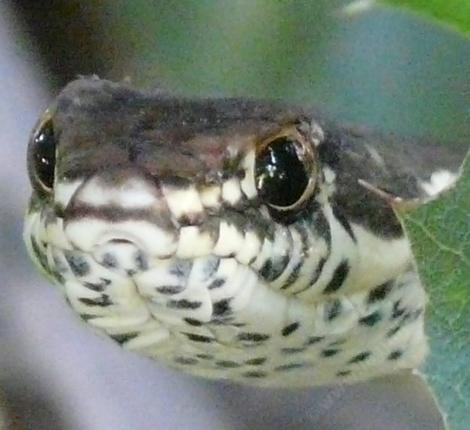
[[122, 207]]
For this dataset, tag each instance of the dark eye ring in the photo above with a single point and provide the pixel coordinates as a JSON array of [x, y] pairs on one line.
[[42, 155], [285, 171]]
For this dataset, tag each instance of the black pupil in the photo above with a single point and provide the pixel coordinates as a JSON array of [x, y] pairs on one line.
[[44, 154], [280, 173]]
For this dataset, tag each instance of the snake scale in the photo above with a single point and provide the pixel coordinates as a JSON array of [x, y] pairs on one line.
[[231, 238]]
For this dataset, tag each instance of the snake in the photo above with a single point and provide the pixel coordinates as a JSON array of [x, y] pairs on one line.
[[230, 238]]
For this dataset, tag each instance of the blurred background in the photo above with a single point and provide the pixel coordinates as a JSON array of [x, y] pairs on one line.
[[381, 68]]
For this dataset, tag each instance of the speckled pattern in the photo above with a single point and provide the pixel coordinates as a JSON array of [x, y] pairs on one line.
[[194, 270]]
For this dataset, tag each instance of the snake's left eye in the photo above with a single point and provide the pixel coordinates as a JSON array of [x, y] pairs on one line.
[[41, 155], [285, 172]]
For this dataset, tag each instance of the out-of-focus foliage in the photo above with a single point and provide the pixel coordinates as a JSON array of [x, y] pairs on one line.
[[455, 13], [440, 235]]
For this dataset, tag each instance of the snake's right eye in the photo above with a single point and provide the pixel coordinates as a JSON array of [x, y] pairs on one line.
[[41, 155], [285, 172]]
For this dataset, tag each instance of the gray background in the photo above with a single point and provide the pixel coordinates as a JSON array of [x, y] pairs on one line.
[[383, 69]]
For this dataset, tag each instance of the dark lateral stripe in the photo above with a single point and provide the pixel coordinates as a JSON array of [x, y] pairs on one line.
[[338, 278], [343, 221], [115, 213], [183, 304]]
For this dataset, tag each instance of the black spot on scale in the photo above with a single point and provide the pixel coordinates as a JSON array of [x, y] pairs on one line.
[[314, 339], [255, 374], [332, 309], [77, 263], [411, 316], [329, 352], [211, 266], [199, 338], [101, 301], [272, 270], [124, 337], [183, 304], [187, 361], [306, 249], [216, 283], [221, 308], [395, 355], [205, 356], [292, 350], [343, 373], [97, 286], [393, 331], [362, 356], [170, 289], [371, 319], [253, 337], [379, 293], [289, 329], [317, 272], [338, 278], [397, 311], [193, 322], [141, 261], [181, 269], [40, 254], [339, 215], [258, 361], [227, 364], [86, 317], [109, 260], [337, 342], [294, 275], [289, 366]]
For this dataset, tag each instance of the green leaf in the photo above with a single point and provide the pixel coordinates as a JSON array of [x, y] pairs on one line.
[[455, 13], [440, 235]]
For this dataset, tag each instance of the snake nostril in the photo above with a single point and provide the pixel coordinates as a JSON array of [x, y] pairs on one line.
[[121, 255]]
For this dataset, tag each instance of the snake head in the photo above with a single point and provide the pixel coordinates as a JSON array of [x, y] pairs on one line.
[[242, 230]]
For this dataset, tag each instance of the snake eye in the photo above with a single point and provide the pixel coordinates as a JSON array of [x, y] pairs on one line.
[[41, 155], [285, 172]]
